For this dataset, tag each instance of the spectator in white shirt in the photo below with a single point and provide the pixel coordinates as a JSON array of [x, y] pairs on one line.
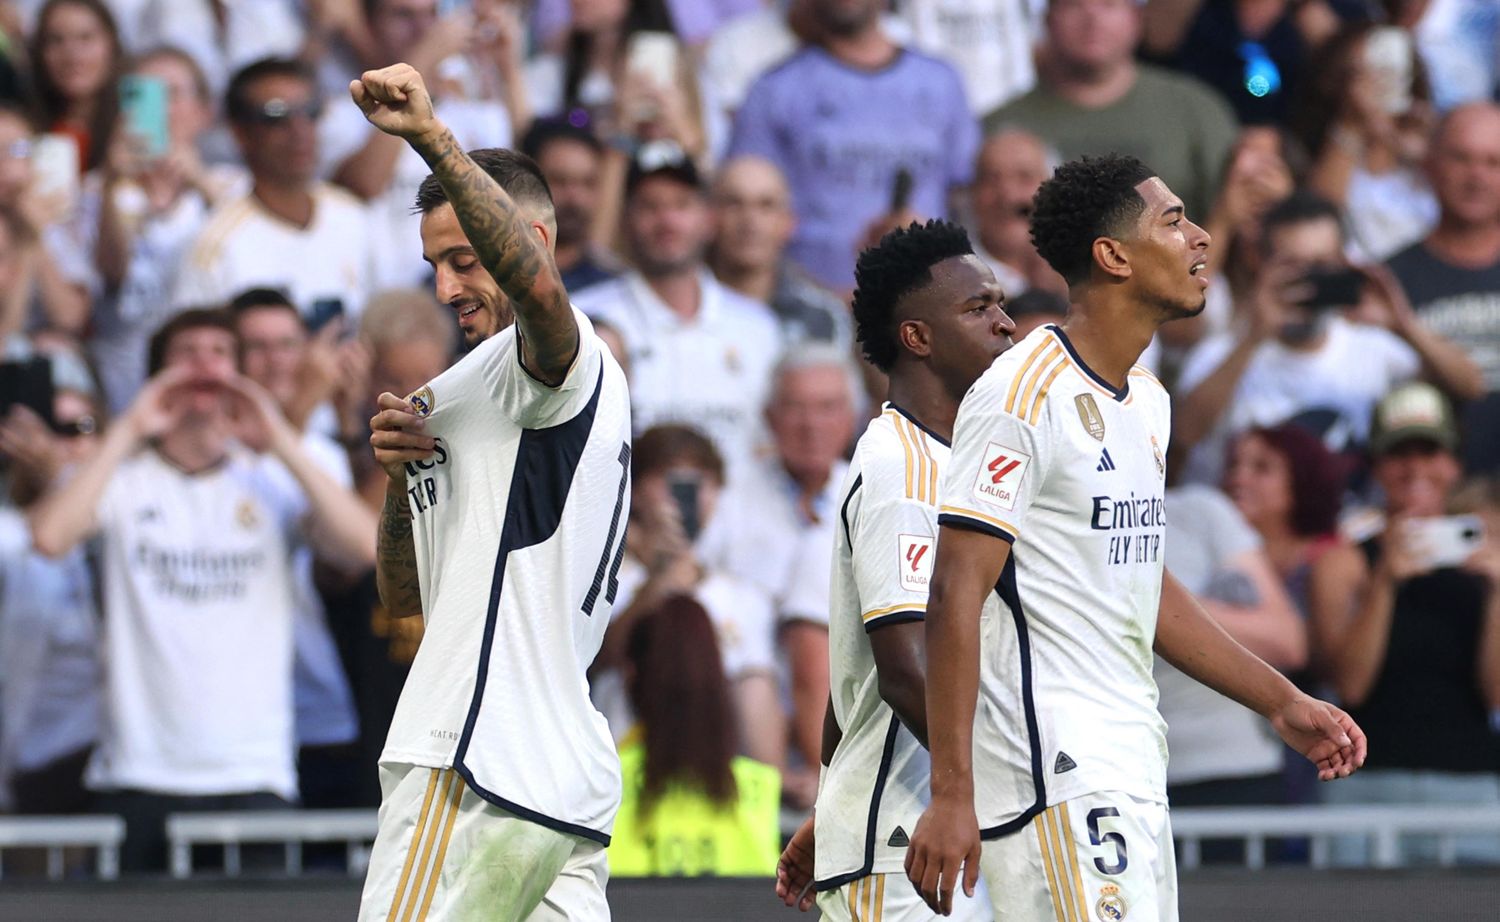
[[1307, 345], [700, 353], [291, 231]]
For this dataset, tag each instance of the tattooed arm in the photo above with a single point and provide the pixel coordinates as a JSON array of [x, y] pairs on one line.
[[395, 100], [397, 435]]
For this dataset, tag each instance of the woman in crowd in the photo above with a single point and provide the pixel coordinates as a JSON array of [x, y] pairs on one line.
[[691, 806], [76, 64]]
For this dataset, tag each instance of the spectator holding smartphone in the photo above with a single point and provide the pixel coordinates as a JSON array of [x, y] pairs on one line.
[[1315, 332], [1408, 633]]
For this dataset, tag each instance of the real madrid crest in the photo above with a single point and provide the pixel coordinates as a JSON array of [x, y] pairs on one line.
[[245, 514], [1111, 906], [1089, 415], [1161, 461], [422, 401]]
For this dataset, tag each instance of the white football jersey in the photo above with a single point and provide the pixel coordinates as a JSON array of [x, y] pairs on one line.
[[519, 523], [1051, 458], [876, 787]]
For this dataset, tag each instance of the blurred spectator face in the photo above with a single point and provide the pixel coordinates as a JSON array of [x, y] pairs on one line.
[[1417, 476], [403, 367], [15, 157], [1258, 480], [1464, 166], [1309, 244], [209, 355], [811, 415], [652, 491], [278, 137], [273, 342], [188, 111], [667, 224], [1012, 164], [1090, 35], [572, 170], [752, 210], [400, 24], [844, 17], [77, 50]]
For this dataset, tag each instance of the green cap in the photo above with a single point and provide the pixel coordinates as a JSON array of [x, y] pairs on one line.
[[1410, 412]]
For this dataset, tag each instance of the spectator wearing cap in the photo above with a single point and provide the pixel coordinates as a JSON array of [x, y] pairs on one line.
[[1407, 631], [1306, 343], [844, 118], [700, 353], [308, 238], [753, 223], [572, 160], [1453, 276], [384, 170]]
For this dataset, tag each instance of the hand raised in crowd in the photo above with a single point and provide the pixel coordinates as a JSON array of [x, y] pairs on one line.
[[1384, 303], [794, 870], [1257, 179], [662, 545], [398, 436], [395, 100], [1401, 556], [160, 404], [453, 34], [1279, 284], [355, 359], [500, 33], [30, 444], [255, 416]]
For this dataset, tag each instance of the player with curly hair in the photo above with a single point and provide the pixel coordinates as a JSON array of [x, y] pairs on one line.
[[1049, 595], [928, 313]]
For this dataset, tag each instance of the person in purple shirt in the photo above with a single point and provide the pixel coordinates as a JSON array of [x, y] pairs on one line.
[[843, 119]]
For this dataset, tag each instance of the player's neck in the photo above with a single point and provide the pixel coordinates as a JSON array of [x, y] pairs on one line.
[[1109, 339], [679, 291], [925, 399]]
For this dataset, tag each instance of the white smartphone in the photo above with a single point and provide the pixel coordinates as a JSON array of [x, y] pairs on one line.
[[654, 56], [1445, 541], [1389, 59], [54, 168]]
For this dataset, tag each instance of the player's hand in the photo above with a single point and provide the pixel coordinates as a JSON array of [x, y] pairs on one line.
[[794, 872], [397, 435], [1329, 738], [395, 100], [944, 845]]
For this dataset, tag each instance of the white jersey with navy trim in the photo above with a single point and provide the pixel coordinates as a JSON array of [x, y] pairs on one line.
[[1048, 456], [519, 523], [876, 786]]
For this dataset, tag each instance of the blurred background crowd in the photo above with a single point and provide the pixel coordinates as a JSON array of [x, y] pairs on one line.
[[188, 618]]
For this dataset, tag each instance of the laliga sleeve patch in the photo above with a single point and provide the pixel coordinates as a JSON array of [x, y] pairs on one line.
[[1001, 473], [915, 561]]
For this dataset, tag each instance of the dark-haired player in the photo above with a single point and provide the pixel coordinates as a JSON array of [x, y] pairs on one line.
[[928, 313], [503, 525], [1049, 593]]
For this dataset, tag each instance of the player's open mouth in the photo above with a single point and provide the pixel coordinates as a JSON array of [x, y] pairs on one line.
[[468, 311], [1198, 267]]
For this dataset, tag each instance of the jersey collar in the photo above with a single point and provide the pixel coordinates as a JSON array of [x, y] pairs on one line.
[[1118, 393], [919, 424]]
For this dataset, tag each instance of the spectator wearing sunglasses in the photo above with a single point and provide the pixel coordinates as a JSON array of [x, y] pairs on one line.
[[291, 231]]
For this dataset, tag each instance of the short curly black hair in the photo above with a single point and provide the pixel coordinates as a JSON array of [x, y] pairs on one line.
[[1086, 199], [896, 266]]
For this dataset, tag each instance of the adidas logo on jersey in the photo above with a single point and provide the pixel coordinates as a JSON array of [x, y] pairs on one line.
[[898, 839], [1106, 463], [1063, 764]]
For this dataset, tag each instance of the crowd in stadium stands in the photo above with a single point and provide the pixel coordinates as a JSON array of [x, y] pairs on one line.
[[188, 613]]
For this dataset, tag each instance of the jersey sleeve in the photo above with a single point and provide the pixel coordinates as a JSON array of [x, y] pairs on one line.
[[533, 403], [998, 464], [893, 543]]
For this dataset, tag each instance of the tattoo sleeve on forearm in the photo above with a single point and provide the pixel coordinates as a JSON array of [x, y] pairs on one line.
[[396, 559], [505, 244]]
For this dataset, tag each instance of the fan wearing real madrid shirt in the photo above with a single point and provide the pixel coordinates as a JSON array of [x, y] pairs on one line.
[[1049, 593], [503, 525], [928, 313]]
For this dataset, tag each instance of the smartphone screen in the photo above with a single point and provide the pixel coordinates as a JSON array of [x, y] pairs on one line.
[[29, 383], [143, 106], [684, 492], [54, 166], [1336, 287], [324, 311], [901, 190]]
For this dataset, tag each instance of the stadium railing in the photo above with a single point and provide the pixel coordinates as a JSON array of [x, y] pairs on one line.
[[289, 828], [55, 833]]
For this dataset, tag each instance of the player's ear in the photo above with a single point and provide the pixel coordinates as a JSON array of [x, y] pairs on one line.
[[543, 233], [915, 336], [1110, 256]]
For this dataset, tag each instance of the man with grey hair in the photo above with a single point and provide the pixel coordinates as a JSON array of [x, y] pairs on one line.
[[753, 223], [777, 527], [1012, 163]]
